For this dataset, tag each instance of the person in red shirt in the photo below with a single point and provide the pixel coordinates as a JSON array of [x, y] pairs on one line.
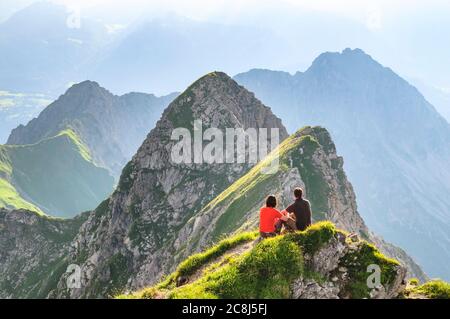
[[269, 216]]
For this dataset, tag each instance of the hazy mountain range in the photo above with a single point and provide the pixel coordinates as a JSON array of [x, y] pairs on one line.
[[396, 146], [19, 108], [44, 53], [40, 53], [156, 55]]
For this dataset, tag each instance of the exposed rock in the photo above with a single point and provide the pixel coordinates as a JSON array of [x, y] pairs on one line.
[[336, 278], [310, 289], [354, 237], [33, 249]]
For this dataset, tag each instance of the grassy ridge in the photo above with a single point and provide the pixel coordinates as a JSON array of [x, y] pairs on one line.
[[265, 271], [9, 196], [434, 289], [57, 174]]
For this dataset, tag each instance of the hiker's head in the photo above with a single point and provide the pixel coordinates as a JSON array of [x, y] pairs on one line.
[[298, 193], [271, 201]]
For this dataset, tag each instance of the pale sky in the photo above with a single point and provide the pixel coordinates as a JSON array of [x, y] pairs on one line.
[[411, 36], [370, 12]]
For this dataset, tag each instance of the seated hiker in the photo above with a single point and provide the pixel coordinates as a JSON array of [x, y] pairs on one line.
[[301, 208], [269, 218]]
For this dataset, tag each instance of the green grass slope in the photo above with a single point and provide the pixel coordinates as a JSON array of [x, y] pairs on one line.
[[434, 289], [267, 269], [9, 196], [55, 175]]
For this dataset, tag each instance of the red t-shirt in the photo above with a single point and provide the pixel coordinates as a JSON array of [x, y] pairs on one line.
[[267, 218]]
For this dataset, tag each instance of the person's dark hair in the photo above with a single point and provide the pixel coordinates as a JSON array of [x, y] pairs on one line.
[[298, 192], [271, 201]]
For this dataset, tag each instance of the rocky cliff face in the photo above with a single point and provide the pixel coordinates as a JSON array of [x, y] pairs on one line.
[[113, 127], [125, 241], [33, 251]]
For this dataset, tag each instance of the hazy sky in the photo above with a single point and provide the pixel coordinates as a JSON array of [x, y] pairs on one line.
[[410, 36]]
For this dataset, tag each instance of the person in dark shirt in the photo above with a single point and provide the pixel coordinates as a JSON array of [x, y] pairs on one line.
[[301, 208]]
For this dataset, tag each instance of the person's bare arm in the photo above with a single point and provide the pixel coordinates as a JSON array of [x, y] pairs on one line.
[[289, 211], [284, 215]]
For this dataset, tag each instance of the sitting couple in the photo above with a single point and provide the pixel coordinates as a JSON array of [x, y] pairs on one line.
[[295, 217]]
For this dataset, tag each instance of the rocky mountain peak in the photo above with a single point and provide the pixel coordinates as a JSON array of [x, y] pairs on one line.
[[156, 196], [86, 96], [219, 101], [83, 97], [84, 87], [349, 63]]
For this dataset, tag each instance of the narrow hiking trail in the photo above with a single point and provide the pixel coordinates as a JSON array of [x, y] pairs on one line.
[[221, 260]]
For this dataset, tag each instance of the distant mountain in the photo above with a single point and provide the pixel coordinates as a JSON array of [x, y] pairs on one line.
[[396, 146], [18, 108], [165, 54], [112, 127], [56, 176], [161, 54], [42, 52]]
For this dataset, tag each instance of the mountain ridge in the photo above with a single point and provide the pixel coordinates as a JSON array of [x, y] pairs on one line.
[[60, 185]]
